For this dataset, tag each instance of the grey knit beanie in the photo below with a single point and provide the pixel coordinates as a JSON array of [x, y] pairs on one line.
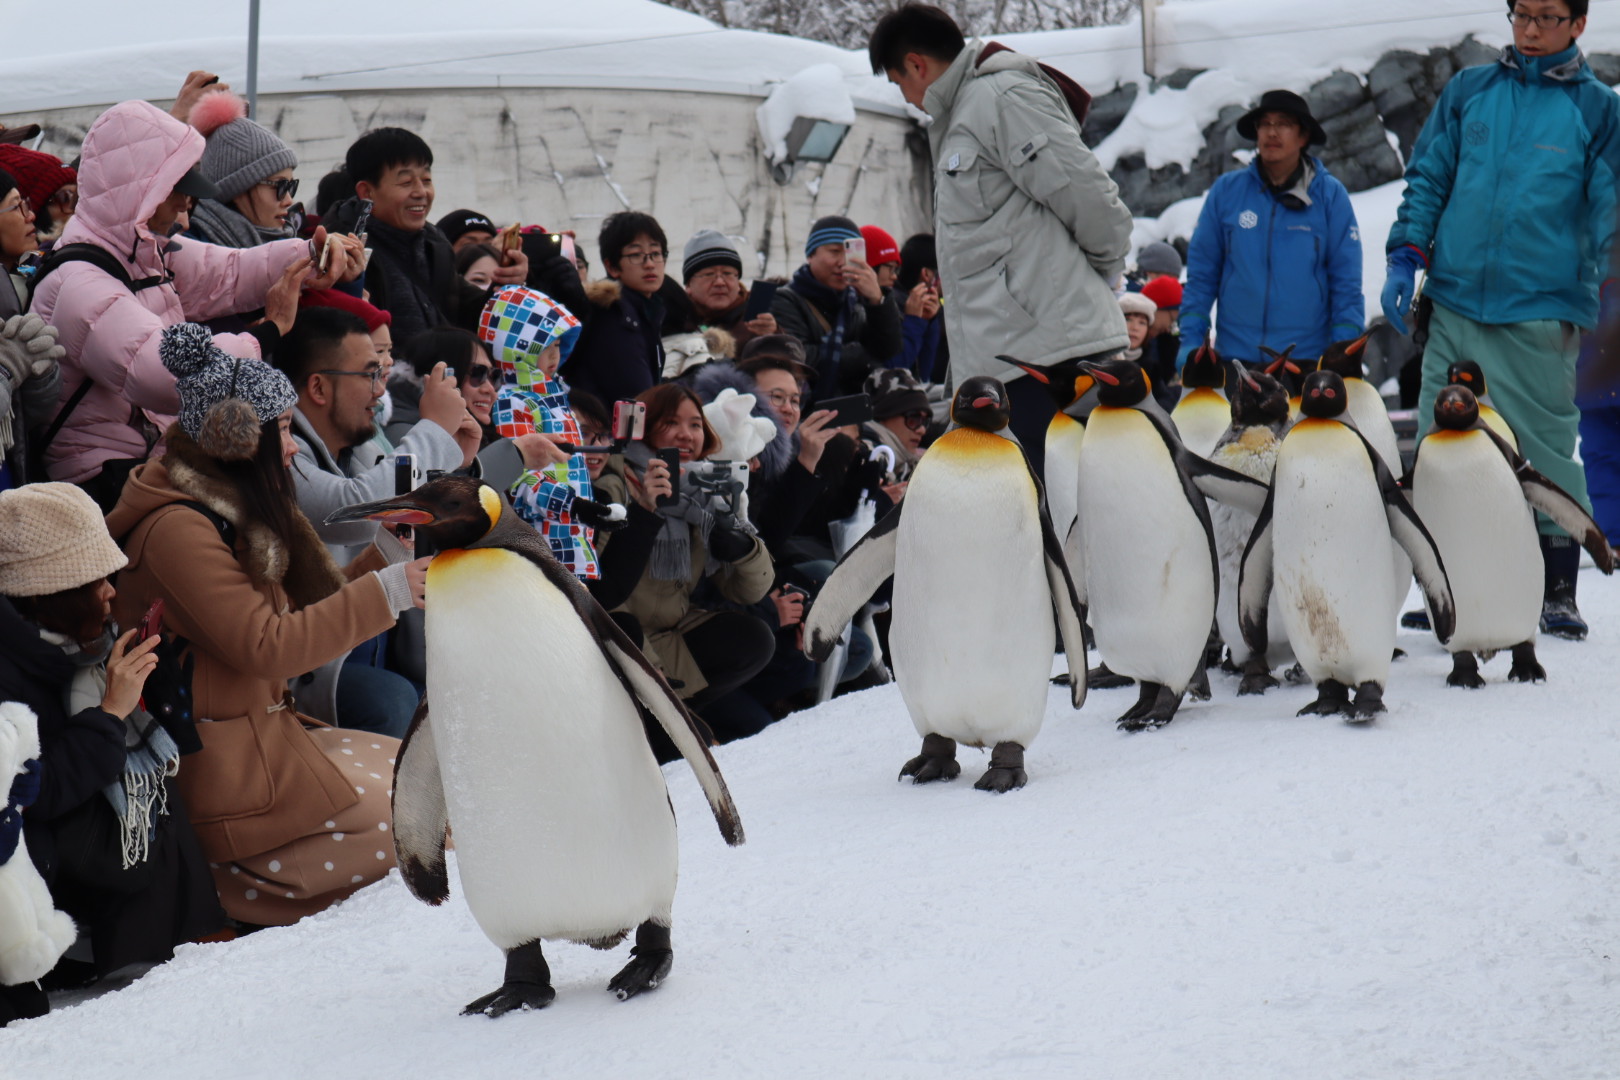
[[224, 399], [240, 152], [709, 248], [1159, 258]]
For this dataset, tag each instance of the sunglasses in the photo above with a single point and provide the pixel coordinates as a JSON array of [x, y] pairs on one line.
[[285, 189], [918, 420], [479, 374]]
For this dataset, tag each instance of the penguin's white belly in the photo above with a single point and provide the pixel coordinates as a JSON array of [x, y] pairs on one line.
[[1333, 578], [1475, 510], [1254, 455], [1063, 439], [1149, 579], [972, 635], [1201, 418], [561, 822], [1371, 417]]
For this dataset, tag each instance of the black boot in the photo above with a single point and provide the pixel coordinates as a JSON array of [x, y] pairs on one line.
[[1559, 615]]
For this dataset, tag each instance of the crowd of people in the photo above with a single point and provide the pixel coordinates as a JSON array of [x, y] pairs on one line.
[[196, 368]]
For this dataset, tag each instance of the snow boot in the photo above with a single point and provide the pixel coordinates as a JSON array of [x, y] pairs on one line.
[[1559, 615]]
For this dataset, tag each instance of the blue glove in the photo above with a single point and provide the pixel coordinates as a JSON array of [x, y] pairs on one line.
[[1400, 283]]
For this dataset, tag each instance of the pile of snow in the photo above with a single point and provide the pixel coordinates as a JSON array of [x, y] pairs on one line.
[[1242, 894], [818, 93]]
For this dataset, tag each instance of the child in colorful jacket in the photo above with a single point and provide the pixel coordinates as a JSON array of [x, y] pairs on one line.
[[529, 334]]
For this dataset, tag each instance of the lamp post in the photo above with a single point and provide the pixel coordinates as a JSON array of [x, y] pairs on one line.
[[253, 59]]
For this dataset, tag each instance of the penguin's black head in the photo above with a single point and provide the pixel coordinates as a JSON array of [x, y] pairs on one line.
[[449, 512], [1345, 358], [981, 402], [1285, 369], [1258, 400], [1204, 368], [1121, 383], [1323, 395], [1456, 409], [1467, 373], [1061, 379]]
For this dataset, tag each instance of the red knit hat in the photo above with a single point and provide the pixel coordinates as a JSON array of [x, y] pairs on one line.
[[334, 298], [1164, 291], [38, 175], [880, 247]]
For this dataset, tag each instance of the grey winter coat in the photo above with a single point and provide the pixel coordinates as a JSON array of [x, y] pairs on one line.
[[1029, 226]]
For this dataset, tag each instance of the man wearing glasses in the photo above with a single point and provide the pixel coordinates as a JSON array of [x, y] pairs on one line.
[[1509, 206], [620, 352]]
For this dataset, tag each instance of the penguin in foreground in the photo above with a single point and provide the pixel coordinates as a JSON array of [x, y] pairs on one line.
[[1151, 574], [1322, 541], [531, 746], [1259, 422], [1469, 375], [1203, 414], [978, 572], [1475, 494]]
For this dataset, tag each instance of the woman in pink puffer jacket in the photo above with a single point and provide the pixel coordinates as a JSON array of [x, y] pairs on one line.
[[133, 157]]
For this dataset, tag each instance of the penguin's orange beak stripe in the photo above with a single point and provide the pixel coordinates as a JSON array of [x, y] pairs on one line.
[[1356, 345], [983, 402], [404, 516], [1105, 378]]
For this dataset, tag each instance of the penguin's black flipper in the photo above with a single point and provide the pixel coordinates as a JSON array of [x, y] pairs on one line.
[[1066, 602], [1409, 532], [420, 818], [1254, 583], [859, 574], [649, 688], [1225, 485], [1544, 495]]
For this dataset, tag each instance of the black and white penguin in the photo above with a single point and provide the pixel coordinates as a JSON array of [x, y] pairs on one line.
[[1151, 574], [1249, 446], [1203, 414], [530, 744], [1366, 405], [1476, 495], [1283, 367], [978, 572], [1468, 374], [1322, 541], [1074, 391]]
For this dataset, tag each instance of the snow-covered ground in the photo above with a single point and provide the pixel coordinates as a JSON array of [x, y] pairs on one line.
[[1244, 894]]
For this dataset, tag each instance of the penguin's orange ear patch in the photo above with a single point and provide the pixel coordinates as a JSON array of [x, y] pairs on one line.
[[490, 500]]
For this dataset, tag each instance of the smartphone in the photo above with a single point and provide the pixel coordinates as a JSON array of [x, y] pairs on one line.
[[364, 220], [854, 409], [404, 484], [760, 295], [672, 458], [151, 623], [629, 421], [332, 244], [510, 238], [855, 249]]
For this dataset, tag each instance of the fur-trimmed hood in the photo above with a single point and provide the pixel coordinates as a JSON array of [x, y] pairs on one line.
[[707, 381], [301, 565]]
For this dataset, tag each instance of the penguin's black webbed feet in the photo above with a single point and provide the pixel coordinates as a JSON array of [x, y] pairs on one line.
[[1256, 677], [1198, 687], [1332, 698], [650, 961], [1006, 771], [1368, 704], [1100, 678], [1525, 666], [936, 762], [1465, 672], [527, 985], [1155, 707]]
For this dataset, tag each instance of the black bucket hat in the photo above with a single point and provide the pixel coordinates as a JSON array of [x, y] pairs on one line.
[[1283, 101]]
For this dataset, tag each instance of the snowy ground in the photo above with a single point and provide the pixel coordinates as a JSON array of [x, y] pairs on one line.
[[1243, 894]]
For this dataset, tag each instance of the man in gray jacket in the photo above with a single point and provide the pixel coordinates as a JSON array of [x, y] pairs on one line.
[[1030, 229]]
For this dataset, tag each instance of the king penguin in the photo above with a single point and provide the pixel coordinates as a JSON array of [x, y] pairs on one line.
[[1151, 574], [1249, 446], [1322, 541], [1290, 372], [530, 745], [1468, 374], [978, 572], [1203, 414], [1074, 391], [1475, 494]]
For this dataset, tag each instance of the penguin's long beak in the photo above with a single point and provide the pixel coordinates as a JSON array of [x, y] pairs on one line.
[[1246, 375], [1039, 374], [1358, 344], [400, 510], [1096, 372]]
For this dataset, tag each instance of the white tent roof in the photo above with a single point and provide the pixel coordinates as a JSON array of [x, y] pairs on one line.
[[113, 50]]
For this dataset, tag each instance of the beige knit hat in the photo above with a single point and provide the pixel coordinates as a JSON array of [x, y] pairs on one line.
[[52, 538]]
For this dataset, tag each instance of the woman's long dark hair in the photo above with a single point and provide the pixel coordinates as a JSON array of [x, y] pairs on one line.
[[265, 484]]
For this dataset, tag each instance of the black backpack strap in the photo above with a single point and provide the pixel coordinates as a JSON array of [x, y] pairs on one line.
[[227, 531], [96, 256], [62, 415]]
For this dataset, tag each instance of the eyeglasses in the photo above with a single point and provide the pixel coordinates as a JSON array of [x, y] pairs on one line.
[[64, 199], [1278, 124], [918, 420], [1545, 22], [592, 437], [784, 400], [645, 258], [717, 273], [376, 375], [20, 206], [479, 374], [285, 188]]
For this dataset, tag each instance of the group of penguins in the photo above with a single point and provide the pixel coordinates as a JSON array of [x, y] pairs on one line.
[[1266, 504]]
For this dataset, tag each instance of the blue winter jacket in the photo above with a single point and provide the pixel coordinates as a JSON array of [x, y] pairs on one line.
[[1511, 190], [1276, 276]]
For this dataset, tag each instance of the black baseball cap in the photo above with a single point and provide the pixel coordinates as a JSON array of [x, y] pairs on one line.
[[198, 186]]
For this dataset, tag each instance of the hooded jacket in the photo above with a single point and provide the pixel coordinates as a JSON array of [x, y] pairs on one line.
[[134, 154], [1510, 190], [1029, 227]]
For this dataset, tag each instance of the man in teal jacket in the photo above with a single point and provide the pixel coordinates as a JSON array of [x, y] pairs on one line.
[[1510, 204]]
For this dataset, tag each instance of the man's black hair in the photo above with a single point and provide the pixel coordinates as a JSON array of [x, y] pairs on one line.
[[315, 341], [381, 149], [620, 230], [333, 188], [1577, 8], [913, 28], [916, 255]]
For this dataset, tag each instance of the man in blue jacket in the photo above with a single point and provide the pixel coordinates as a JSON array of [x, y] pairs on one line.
[[1510, 202], [1276, 252]]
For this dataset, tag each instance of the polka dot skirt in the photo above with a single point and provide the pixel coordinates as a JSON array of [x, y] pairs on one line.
[[354, 848]]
